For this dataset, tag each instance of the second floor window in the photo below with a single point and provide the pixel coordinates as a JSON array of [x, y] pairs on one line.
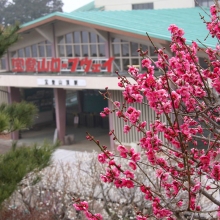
[[42, 49], [143, 6], [204, 3], [81, 44]]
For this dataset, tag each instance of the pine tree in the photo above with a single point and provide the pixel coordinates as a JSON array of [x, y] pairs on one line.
[[18, 162], [3, 4], [23, 11], [8, 36], [16, 116]]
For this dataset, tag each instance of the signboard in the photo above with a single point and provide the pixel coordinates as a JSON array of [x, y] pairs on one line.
[[60, 82], [56, 65]]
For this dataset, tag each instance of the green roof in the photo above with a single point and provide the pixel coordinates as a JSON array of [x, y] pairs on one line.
[[88, 7], [155, 22]]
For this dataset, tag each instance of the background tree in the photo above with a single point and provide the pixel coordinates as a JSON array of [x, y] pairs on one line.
[[16, 116], [15, 164], [2, 8], [8, 36], [27, 10]]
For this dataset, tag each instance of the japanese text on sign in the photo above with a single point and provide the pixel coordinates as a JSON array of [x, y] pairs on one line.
[[62, 64], [61, 82]]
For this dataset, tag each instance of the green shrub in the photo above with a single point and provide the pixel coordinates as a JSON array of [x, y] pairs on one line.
[[17, 116], [18, 162]]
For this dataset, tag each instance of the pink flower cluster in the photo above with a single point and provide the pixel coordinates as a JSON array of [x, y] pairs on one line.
[[214, 25], [215, 174], [132, 94], [114, 173], [186, 111], [124, 152], [83, 206], [105, 112], [181, 88], [132, 115]]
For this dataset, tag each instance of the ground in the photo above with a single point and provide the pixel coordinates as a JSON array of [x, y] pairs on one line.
[[47, 133]]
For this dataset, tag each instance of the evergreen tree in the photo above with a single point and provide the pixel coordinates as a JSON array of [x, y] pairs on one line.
[[8, 36], [27, 10], [17, 163], [16, 116], [3, 4]]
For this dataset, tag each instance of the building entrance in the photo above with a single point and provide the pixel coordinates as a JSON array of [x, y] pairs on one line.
[[83, 109]]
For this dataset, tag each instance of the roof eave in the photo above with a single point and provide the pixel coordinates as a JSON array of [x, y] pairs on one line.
[[39, 23], [91, 25]]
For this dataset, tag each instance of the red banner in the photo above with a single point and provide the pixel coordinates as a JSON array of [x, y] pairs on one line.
[[57, 65]]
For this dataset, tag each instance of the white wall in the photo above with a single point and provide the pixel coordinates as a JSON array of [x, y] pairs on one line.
[[31, 81], [27, 39], [3, 95], [158, 4]]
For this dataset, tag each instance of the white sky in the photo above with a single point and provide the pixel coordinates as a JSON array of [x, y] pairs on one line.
[[70, 5]]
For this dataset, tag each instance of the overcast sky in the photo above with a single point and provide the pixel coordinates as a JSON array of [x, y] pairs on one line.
[[70, 5]]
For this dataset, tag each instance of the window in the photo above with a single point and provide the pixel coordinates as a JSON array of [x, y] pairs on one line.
[[143, 6], [101, 50], [3, 63], [204, 3], [42, 49], [49, 50], [21, 53], [85, 37], [125, 54], [93, 50], [27, 51], [81, 44], [69, 50], [69, 38], [34, 50], [203, 63], [134, 47]]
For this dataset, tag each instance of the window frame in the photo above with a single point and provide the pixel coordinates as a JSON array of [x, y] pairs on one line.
[[201, 2], [120, 59], [93, 40], [43, 44], [143, 6]]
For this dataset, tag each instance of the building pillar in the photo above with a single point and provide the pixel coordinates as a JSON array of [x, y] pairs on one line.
[[7, 62], [14, 96], [107, 46], [54, 52], [60, 112]]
